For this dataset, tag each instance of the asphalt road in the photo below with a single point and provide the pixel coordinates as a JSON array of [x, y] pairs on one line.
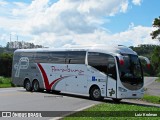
[[152, 86], [17, 99], [149, 80]]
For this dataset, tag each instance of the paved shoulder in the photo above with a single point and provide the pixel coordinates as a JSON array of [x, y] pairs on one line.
[[17, 99], [149, 80], [153, 89]]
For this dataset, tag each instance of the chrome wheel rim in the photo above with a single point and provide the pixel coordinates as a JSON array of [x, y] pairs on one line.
[[36, 86], [27, 85], [96, 93]]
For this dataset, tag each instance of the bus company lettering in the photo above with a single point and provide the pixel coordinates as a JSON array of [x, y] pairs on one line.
[[67, 69]]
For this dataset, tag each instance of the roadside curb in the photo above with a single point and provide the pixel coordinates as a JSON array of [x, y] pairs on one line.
[[57, 118], [141, 102]]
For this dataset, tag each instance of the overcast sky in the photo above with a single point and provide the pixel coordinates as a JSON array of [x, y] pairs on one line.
[[56, 23]]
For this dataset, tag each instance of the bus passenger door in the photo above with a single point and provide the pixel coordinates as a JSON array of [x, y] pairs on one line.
[[111, 87], [111, 79]]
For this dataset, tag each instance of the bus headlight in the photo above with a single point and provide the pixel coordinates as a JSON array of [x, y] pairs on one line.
[[122, 89], [143, 90]]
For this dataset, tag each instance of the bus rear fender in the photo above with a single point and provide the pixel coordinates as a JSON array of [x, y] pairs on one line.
[[95, 93], [94, 85]]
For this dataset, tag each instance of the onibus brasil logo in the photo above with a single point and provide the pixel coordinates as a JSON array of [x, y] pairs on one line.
[[21, 65]]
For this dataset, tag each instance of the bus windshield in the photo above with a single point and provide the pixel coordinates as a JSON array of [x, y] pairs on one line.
[[131, 74]]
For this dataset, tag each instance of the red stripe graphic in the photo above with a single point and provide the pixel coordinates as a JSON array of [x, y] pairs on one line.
[[46, 81]]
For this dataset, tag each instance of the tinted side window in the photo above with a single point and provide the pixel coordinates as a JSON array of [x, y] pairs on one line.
[[30, 55], [58, 57], [112, 67], [61, 57], [76, 57], [103, 62], [42, 57], [51, 57], [98, 61]]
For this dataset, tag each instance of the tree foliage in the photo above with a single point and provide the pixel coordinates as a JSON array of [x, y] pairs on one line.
[[156, 34], [5, 64], [156, 60], [153, 53]]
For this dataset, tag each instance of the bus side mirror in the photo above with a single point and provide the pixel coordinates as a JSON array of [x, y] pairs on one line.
[[147, 61]]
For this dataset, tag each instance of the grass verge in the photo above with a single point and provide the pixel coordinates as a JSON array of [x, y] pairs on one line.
[[158, 80], [5, 82], [152, 99], [111, 111]]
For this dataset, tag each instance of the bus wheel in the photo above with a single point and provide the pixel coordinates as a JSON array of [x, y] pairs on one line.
[[95, 94], [36, 86], [56, 92], [27, 85], [116, 100], [48, 91]]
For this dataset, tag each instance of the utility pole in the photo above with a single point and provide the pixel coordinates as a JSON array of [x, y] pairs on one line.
[[17, 42], [10, 37], [17, 38], [10, 45]]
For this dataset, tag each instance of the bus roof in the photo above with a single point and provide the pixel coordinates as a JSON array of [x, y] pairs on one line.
[[119, 49]]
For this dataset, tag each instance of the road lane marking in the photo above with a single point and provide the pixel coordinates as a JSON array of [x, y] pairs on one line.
[[7, 90], [57, 118], [13, 94], [30, 93], [148, 80], [10, 89]]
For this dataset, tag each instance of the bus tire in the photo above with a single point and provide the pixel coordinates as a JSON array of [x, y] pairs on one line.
[[95, 93], [116, 100], [48, 91], [27, 85], [36, 86], [56, 92]]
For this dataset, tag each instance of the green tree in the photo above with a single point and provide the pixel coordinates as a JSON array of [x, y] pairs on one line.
[[156, 34], [156, 60], [156, 53], [5, 64], [151, 52]]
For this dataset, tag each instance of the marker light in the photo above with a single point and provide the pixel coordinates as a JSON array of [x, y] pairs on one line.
[[121, 60]]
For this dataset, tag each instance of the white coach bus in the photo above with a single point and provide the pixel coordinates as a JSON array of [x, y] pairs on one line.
[[99, 71]]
